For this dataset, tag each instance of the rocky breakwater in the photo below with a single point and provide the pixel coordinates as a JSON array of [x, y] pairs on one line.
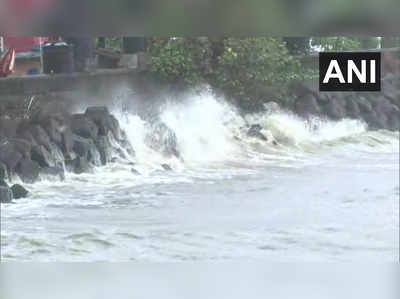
[[380, 110], [47, 144]]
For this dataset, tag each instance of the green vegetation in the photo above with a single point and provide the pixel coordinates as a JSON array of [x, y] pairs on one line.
[[340, 43], [245, 69]]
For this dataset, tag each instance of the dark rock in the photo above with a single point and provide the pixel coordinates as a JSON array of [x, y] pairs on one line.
[[22, 146], [28, 171], [52, 172], [255, 131], [8, 127], [81, 165], [3, 172], [300, 89], [352, 109], [9, 155], [3, 183], [166, 167], [83, 126], [19, 191], [307, 105], [336, 108], [363, 104], [53, 129], [35, 134], [105, 149], [394, 121], [6, 195], [104, 121], [87, 149], [375, 120], [134, 171]]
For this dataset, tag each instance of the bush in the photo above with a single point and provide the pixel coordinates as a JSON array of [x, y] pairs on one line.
[[242, 68]]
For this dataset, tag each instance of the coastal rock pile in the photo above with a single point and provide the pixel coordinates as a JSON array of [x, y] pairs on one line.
[[47, 144], [380, 110]]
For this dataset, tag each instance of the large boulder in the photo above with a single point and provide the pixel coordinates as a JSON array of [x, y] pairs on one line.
[[104, 121], [19, 192], [21, 146], [28, 171], [6, 195], [83, 126], [35, 134], [85, 148]]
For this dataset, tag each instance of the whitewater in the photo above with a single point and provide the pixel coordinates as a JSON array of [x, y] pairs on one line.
[[315, 190]]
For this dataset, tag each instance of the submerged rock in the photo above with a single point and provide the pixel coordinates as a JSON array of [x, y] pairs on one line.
[[166, 167], [134, 171], [6, 194], [53, 172], [255, 131], [162, 139], [19, 191]]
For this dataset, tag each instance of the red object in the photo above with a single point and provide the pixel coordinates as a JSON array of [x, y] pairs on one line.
[[24, 44], [7, 63]]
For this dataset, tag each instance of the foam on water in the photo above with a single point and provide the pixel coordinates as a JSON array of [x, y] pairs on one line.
[[227, 196], [209, 131]]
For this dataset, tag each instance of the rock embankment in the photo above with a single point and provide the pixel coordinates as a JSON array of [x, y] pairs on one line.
[[380, 110], [48, 144]]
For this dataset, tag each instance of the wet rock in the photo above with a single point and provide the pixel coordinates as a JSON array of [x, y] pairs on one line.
[[352, 108], [28, 171], [255, 131], [34, 134], [81, 165], [134, 171], [19, 192], [8, 127], [22, 146], [54, 129], [3, 172], [104, 121], [363, 104], [6, 195], [83, 126], [307, 105], [105, 149], [53, 172], [9, 156], [166, 167], [162, 139], [336, 108]]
